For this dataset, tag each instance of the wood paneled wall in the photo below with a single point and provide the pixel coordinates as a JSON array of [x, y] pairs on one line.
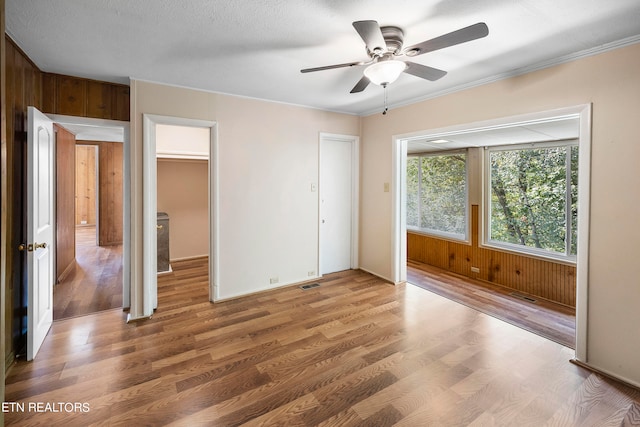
[[74, 96], [65, 202], [86, 182], [23, 88], [26, 85], [544, 279], [110, 191], [3, 199]]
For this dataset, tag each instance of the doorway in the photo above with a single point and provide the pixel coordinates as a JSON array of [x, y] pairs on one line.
[[151, 125], [90, 277], [183, 203], [582, 115], [338, 201], [101, 246]]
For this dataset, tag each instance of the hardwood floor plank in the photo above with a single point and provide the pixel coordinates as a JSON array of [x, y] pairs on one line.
[[550, 320], [355, 351], [94, 283]]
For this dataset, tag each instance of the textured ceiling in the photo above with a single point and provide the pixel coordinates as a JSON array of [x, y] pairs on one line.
[[257, 48]]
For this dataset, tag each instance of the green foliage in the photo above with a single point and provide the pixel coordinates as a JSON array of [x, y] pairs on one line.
[[528, 197], [413, 192], [436, 193]]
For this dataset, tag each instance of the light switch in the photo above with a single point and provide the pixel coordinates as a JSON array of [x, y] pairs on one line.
[[314, 187], [386, 187]]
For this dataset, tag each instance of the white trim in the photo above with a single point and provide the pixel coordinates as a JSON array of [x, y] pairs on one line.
[[584, 215], [149, 215], [398, 210], [182, 155], [399, 229], [355, 195]]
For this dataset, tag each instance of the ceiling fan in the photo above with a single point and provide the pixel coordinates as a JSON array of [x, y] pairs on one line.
[[384, 46]]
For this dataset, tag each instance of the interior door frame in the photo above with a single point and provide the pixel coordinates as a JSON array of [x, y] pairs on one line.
[[150, 203], [126, 192], [355, 194], [398, 197]]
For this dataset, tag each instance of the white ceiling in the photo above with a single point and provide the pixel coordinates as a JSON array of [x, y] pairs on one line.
[[257, 48], [558, 129]]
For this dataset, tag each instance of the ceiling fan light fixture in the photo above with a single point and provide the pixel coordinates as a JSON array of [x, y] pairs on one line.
[[383, 73]]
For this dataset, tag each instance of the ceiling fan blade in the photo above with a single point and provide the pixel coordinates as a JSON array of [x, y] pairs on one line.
[[424, 72], [371, 34], [330, 67], [472, 32], [361, 85]]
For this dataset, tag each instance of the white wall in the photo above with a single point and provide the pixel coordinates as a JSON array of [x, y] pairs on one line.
[[611, 82], [267, 160]]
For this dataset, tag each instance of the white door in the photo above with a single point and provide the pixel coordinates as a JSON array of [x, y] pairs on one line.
[[335, 205], [40, 229]]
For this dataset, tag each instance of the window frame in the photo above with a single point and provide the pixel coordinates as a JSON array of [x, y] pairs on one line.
[[437, 233], [565, 257]]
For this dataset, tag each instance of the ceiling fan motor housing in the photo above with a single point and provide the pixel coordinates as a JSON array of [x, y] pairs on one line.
[[394, 37]]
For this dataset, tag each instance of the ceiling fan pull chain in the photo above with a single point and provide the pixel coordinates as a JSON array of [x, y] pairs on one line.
[[385, 100]]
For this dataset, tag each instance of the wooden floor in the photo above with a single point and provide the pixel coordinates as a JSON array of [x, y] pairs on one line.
[[95, 284], [355, 351], [550, 320]]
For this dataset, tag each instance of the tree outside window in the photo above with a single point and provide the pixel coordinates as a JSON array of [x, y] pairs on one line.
[[534, 198], [437, 194]]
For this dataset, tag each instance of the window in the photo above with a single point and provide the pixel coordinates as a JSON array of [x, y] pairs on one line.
[[437, 194], [533, 198]]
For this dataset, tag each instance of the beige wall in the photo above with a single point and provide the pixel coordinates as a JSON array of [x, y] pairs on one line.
[[268, 156], [611, 82], [267, 161], [183, 194]]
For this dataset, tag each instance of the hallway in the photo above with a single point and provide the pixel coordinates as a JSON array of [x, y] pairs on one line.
[[95, 284]]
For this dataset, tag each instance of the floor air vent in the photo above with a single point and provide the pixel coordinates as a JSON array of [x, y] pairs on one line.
[[523, 297], [310, 286]]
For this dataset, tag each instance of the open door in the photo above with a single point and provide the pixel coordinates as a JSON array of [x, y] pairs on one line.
[[40, 229]]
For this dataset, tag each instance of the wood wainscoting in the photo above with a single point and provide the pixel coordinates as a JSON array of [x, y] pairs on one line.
[[550, 280]]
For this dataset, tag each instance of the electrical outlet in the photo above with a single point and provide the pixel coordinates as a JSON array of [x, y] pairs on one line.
[[273, 280], [311, 273], [475, 270]]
